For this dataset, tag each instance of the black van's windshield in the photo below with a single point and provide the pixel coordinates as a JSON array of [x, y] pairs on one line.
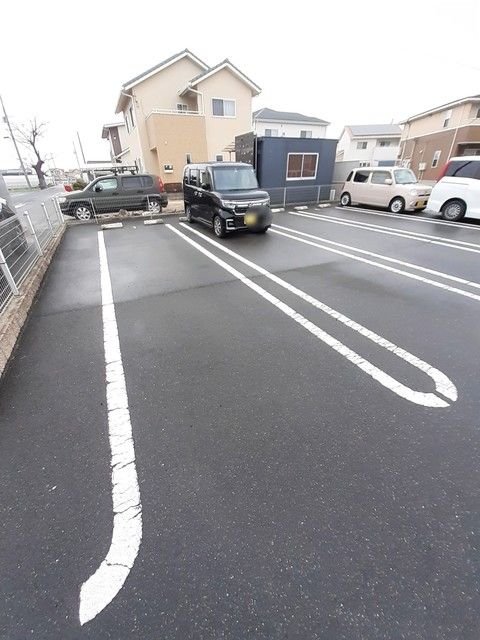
[[234, 178]]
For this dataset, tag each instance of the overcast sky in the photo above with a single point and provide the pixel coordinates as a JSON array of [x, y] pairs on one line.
[[348, 62]]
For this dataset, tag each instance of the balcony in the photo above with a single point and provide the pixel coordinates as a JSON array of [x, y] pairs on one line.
[[175, 112]]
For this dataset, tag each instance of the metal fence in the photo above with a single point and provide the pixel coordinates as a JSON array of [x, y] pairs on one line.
[[309, 194], [23, 241]]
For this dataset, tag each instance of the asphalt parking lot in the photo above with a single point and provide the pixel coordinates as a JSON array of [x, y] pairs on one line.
[[270, 436]]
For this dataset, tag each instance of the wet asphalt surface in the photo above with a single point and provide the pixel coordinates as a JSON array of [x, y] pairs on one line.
[[285, 493]]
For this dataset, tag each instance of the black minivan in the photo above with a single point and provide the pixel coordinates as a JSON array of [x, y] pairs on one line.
[[226, 197]]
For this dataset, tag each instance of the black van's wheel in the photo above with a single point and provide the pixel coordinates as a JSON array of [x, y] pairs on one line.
[[154, 205], [83, 212], [453, 210], [345, 199], [188, 214], [397, 205], [219, 227]]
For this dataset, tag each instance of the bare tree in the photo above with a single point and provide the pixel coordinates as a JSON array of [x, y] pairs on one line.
[[28, 135]]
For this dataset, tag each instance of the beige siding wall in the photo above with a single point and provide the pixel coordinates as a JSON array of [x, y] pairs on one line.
[[171, 138], [222, 131], [461, 115]]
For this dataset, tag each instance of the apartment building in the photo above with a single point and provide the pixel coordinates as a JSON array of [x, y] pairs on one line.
[[429, 139], [116, 134], [182, 110], [271, 123], [369, 145]]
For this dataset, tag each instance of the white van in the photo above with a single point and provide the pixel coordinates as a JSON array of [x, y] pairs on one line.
[[457, 191], [393, 187]]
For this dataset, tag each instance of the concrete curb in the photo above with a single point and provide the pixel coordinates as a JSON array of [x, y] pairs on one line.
[[16, 312]]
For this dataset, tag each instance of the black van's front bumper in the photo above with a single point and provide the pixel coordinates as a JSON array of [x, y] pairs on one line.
[[236, 221]]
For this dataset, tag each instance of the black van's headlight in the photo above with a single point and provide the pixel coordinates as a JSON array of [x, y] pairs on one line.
[[228, 204]]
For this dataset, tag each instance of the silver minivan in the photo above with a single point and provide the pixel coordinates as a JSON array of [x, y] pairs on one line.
[[395, 188]]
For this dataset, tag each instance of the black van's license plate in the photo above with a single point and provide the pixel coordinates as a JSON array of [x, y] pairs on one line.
[[250, 219]]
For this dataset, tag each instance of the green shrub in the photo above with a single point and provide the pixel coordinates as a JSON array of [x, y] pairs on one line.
[[79, 184]]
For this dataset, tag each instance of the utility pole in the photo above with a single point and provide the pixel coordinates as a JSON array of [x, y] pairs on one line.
[[15, 144], [81, 148], [76, 154]]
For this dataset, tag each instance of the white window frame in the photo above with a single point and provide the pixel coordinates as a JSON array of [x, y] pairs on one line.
[[362, 142], [183, 106], [306, 132], [225, 100], [273, 133], [303, 154], [384, 143], [446, 120], [365, 163], [436, 158]]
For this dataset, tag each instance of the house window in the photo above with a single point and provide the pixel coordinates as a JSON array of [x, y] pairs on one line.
[[132, 121], [189, 158], [182, 107], [223, 108], [219, 157], [436, 158], [302, 166], [448, 115], [384, 143], [478, 113], [271, 133], [362, 144], [305, 134], [364, 164]]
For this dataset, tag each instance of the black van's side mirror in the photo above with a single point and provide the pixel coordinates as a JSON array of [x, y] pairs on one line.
[[98, 188]]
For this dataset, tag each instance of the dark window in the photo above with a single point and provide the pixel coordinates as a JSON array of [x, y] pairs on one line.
[[193, 177], [379, 177], [107, 184], [189, 158], [349, 177], [305, 134], [224, 108], [301, 166], [459, 169], [203, 178], [478, 113], [147, 181], [361, 176], [132, 182]]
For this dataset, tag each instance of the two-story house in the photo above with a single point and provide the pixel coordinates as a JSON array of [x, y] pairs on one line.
[[181, 110], [271, 123], [431, 138], [369, 145], [116, 134]]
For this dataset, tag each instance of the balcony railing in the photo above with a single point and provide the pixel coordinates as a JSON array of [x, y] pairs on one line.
[[175, 112]]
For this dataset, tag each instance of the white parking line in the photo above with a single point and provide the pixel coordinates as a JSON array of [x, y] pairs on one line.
[[373, 263], [17, 206], [411, 218], [402, 233], [442, 383], [100, 589]]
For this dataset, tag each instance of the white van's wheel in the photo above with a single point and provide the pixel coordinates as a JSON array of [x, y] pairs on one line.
[[454, 210], [345, 199], [397, 205]]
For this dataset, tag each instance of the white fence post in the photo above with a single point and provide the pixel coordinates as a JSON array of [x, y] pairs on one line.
[[34, 233], [47, 217], [8, 275], [56, 204]]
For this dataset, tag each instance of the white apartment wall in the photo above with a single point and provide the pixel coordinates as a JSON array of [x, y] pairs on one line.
[[290, 130], [372, 154]]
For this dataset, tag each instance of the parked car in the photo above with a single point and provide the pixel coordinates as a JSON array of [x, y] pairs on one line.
[[111, 193], [457, 191], [225, 196], [395, 188], [12, 239]]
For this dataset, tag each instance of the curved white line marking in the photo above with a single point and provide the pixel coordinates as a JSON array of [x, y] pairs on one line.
[[373, 263], [402, 233], [442, 383], [100, 589]]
